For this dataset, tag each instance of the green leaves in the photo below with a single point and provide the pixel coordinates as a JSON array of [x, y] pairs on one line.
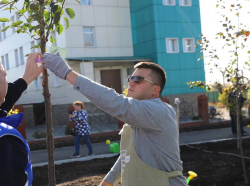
[[52, 39], [192, 84], [57, 18], [36, 46], [16, 24], [47, 16], [43, 17], [37, 17], [22, 11], [59, 29], [4, 20], [56, 8], [5, 28], [70, 13], [4, 2], [67, 22], [34, 6]]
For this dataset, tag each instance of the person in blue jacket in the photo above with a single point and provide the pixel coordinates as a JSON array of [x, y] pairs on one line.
[[15, 164]]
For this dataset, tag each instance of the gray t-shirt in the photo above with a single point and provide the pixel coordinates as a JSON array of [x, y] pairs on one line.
[[154, 125]]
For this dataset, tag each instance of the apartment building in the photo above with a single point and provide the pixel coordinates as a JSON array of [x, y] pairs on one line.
[[104, 41]]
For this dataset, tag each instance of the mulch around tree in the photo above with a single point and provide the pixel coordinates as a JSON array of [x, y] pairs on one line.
[[213, 169]]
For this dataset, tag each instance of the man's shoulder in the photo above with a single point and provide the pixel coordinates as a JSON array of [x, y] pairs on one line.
[[159, 105]]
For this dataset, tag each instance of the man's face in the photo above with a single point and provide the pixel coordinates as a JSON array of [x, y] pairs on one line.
[[143, 90], [3, 83]]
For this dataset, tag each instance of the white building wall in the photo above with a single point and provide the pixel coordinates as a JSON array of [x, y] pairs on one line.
[[112, 29], [112, 33]]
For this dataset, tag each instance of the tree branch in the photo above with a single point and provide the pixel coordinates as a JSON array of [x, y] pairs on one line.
[[7, 4]]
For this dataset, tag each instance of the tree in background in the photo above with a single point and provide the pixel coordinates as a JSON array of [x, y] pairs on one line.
[[40, 18], [234, 36]]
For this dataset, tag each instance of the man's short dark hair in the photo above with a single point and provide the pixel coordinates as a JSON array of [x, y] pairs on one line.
[[157, 73]]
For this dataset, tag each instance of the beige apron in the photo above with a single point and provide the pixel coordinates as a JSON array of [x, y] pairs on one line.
[[134, 172]]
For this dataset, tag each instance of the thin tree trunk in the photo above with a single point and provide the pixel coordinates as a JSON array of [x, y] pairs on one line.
[[49, 123], [239, 139]]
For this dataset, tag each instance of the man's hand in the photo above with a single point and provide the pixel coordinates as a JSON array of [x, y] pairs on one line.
[[56, 64], [3, 83], [32, 69]]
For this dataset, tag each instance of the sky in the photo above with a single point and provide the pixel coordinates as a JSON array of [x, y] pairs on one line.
[[211, 25]]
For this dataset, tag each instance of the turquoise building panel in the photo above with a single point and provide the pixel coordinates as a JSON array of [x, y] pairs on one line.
[[153, 23]]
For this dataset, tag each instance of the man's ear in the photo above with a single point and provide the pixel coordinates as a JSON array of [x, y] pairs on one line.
[[156, 90]]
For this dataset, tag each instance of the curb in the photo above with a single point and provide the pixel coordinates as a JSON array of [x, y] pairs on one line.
[[212, 141], [59, 162]]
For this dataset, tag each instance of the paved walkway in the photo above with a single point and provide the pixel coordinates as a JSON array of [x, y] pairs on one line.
[[59, 130], [101, 150]]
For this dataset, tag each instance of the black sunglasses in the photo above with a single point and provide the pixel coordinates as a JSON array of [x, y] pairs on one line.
[[139, 79]]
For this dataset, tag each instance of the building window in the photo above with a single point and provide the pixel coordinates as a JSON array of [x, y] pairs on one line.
[[169, 2], [56, 81], [13, 21], [86, 2], [188, 45], [172, 45], [7, 67], [35, 84], [185, 3], [2, 61], [1, 34], [32, 43], [17, 17], [4, 33], [88, 36], [21, 55], [16, 58]]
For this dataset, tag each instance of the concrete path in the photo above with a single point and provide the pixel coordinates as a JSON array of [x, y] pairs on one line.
[[101, 150]]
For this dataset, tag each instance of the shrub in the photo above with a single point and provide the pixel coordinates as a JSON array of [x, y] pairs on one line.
[[67, 131], [39, 135], [223, 98]]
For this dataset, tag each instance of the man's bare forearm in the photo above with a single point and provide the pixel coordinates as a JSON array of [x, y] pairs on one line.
[[71, 77]]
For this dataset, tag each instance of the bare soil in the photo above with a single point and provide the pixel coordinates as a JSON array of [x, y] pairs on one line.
[[213, 169]]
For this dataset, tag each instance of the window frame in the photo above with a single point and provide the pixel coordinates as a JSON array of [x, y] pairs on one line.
[[180, 3], [3, 61], [185, 47], [90, 3], [1, 33], [7, 65], [13, 21], [21, 56], [93, 37], [165, 3], [16, 57], [167, 45], [32, 43], [4, 33]]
